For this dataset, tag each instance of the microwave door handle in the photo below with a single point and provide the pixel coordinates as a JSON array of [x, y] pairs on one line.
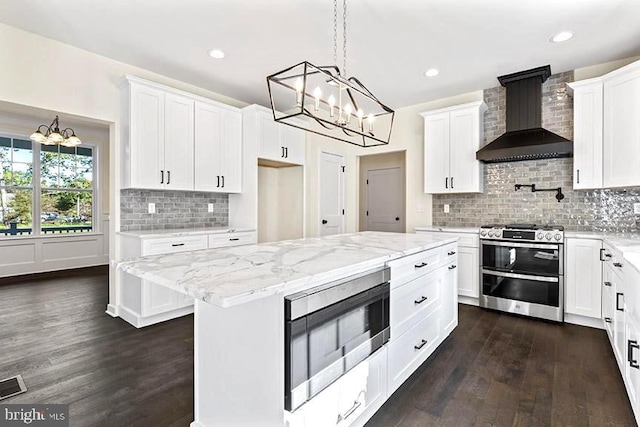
[[520, 276]]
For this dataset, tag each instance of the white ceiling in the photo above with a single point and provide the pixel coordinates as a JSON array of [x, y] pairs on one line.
[[391, 43]]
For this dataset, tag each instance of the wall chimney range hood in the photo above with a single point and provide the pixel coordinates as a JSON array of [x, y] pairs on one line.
[[525, 138]]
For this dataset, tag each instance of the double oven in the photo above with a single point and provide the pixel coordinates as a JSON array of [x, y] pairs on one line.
[[522, 270]]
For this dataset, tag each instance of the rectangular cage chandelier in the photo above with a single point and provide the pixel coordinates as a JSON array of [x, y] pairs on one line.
[[342, 109]]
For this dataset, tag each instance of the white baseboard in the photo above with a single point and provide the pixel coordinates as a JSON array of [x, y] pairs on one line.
[[195, 424], [139, 321], [583, 321], [112, 310], [468, 300]]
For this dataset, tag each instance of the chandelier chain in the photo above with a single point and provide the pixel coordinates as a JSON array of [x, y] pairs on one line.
[[335, 32], [344, 37]]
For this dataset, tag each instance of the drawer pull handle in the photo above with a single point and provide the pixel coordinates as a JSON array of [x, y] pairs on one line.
[[618, 295], [617, 264], [608, 255], [177, 244], [631, 345], [451, 253], [422, 344], [353, 409], [421, 300], [234, 239], [607, 283], [451, 267], [424, 264], [607, 319]]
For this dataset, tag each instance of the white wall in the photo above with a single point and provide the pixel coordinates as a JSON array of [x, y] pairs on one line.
[[280, 203], [75, 82]]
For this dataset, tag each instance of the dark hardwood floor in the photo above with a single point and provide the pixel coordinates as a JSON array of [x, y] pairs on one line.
[[494, 370]]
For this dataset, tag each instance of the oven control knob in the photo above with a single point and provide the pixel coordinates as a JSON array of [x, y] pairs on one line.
[[491, 234], [548, 236], [483, 233], [540, 236], [557, 237]]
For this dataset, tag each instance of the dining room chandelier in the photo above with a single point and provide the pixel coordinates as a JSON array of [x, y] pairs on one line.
[[54, 136], [341, 107]]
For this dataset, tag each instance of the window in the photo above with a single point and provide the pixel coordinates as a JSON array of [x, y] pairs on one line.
[[45, 189]]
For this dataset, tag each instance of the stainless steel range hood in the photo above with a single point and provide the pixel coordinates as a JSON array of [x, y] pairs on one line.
[[525, 138]]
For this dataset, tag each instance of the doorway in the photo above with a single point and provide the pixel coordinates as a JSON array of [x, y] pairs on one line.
[[382, 192], [332, 204]]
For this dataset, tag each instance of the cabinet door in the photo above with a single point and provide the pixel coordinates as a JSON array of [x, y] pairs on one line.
[[449, 312], [622, 130], [178, 142], [184, 300], [269, 138], [147, 137], [468, 272], [157, 299], [631, 370], [583, 277], [293, 141], [618, 319], [464, 138], [231, 152], [588, 135], [436, 153], [208, 125]]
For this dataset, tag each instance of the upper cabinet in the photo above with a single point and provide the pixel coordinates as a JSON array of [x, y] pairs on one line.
[[177, 141], [451, 138], [606, 130], [276, 141], [587, 133]]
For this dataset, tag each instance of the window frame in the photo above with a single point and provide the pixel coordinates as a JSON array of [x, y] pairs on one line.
[[37, 190]]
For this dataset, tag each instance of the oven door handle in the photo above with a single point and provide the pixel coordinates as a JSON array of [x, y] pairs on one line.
[[520, 245], [520, 276]]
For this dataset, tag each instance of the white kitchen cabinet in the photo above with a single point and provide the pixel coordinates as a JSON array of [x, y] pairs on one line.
[[631, 371], [449, 312], [583, 277], [468, 254], [218, 148], [174, 140], [622, 127], [278, 142], [587, 133], [145, 303], [451, 138]]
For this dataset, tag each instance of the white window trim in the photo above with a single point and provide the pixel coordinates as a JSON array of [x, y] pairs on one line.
[[36, 202]]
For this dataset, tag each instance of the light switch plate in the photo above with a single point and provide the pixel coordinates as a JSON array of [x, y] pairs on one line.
[[152, 208], [636, 208], [210, 207], [446, 208], [420, 208]]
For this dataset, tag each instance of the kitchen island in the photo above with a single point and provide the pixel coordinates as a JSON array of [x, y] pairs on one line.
[[239, 313]]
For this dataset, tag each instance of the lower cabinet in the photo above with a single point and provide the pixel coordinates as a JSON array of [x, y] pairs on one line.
[[583, 275], [145, 303]]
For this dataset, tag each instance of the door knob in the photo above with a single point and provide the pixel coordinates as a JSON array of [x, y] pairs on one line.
[[324, 221], [397, 218]]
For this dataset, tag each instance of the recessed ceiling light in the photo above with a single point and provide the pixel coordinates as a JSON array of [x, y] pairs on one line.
[[216, 53], [432, 72], [561, 37]]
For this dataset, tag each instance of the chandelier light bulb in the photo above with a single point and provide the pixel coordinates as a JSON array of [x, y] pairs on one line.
[[371, 119], [332, 103], [38, 137], [299, 87], [360, 114], [72, 141], [317, 93], [348, 109], [56, 137]]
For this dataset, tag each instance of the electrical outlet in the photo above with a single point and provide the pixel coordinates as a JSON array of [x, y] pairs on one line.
[[210, 207], [420, 208], [152, 208], [636, 208], [446, 208]]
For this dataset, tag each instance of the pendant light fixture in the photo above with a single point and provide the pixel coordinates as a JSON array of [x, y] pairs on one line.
[[342, 107], [54, 136]]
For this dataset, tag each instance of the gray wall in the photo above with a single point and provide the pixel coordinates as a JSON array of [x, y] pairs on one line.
[[592, 210], [174, 209]]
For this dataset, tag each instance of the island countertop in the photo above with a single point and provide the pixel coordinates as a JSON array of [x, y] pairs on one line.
[[231, 276]]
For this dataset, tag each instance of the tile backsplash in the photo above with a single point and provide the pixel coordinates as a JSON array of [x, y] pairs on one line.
[[174, 209], [581, 210]]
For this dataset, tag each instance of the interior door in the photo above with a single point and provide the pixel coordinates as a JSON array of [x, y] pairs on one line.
[[385, 207], [331, 207]]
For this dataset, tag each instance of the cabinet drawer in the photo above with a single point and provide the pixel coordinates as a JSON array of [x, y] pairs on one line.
[[231, 239], [449, 252], [170, 245], [413, 301], [410, 267], [413, 348]]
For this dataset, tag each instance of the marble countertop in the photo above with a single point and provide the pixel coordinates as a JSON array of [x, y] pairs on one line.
[[182, 232], [232, 276], [448, 229], [628, 243]]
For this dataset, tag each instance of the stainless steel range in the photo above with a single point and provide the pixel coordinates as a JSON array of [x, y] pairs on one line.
[[522, 269]]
